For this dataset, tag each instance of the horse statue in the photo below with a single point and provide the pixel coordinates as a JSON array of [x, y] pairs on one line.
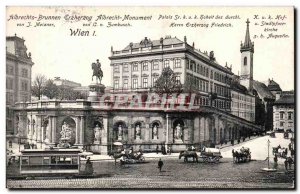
[[97, 71], [188, 154]]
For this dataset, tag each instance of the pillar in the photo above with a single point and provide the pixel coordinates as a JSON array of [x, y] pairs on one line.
[[77, 130], [202, 129], [52, 129], [104, 146], [81, 130]]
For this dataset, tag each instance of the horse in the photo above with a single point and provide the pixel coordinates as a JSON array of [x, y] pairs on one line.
[[242, 155], [116, 156], [188, 154], [97, 71]]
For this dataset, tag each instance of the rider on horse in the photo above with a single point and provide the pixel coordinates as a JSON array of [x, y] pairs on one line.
[[97, 71]]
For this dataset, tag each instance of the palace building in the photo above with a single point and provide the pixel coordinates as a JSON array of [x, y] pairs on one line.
[[18, 76], [223, 107]]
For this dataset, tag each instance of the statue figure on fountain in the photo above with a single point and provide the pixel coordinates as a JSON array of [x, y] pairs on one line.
[[178, 133], [66, 134], [120, 131], [97, 133], [155, 132], [138, 132]]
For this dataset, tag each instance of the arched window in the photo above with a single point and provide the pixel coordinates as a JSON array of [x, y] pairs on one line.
[[245, 60]]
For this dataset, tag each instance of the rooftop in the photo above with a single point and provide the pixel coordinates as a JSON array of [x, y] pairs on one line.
[[285, 99], [262, 90]]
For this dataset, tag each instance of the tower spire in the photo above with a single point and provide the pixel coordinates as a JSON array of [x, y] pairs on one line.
[[248, 45], [247, 42]]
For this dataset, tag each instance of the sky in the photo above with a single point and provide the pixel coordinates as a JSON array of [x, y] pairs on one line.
[[57, 54]]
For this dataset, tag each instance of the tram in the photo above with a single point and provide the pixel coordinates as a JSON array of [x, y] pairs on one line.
[[50, 161]]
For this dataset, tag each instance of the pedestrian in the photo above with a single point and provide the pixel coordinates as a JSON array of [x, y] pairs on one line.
[[239, 141], [160, 164], [233, 155], [232, 142], [157, 148], [140, 149], [290, 162], [286, 164], [292, 152], [275, 162], [244, 139], [290, 146], [89, 166]]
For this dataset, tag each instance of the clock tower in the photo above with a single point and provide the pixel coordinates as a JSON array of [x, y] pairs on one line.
[[247, 51]]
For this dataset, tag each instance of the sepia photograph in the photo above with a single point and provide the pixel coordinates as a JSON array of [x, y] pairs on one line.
[[144, 97]]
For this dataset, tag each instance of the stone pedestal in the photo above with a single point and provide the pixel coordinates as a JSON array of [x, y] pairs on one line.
[[96, 142], [178, 141], [96, 90], [178, 148], [96, 149]]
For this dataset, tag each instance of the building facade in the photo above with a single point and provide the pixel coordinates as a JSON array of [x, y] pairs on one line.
[[97, 124], [138, 66], [18, 75], [283, 112], [65, 83]]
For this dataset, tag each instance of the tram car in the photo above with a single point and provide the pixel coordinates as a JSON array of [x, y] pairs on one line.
[[50, 162]]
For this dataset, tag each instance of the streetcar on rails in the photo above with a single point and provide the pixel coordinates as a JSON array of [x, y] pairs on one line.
[[50, 162]]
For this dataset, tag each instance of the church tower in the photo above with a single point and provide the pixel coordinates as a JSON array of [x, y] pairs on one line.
[[247, 50]]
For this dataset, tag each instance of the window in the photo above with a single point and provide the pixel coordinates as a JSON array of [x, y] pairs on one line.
[[281, 124], [116, 84], [155, 65], [154, 81], [245, 60], [125, 83], [211, 74], [145, 66], [10, 70], [9, 83], [134, 83], [125, 67], [116, 68], [24, 86], [281, 115], [24, 72], [145, 82], [9, 98], [166, 63], [135, 67], [177, 79], [177, 63], [290, 115]]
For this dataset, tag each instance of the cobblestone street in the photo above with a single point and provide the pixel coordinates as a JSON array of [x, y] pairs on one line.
[[175, 174]]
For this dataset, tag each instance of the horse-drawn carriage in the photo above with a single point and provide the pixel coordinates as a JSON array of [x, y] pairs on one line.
[[286, 135], [128, 158], [271, 134], [241, 155], [280, 152], [211, 155], [189, 154], [132, 158]]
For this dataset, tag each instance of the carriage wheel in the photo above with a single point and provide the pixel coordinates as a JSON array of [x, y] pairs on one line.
[[142, 158], [216, 159]]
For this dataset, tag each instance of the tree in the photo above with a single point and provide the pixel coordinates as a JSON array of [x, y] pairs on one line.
[[38, 85], [51, 90], [167, 83], [66, 93]]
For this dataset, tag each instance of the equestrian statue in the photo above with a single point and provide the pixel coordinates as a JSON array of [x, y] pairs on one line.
[[97, 71]]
